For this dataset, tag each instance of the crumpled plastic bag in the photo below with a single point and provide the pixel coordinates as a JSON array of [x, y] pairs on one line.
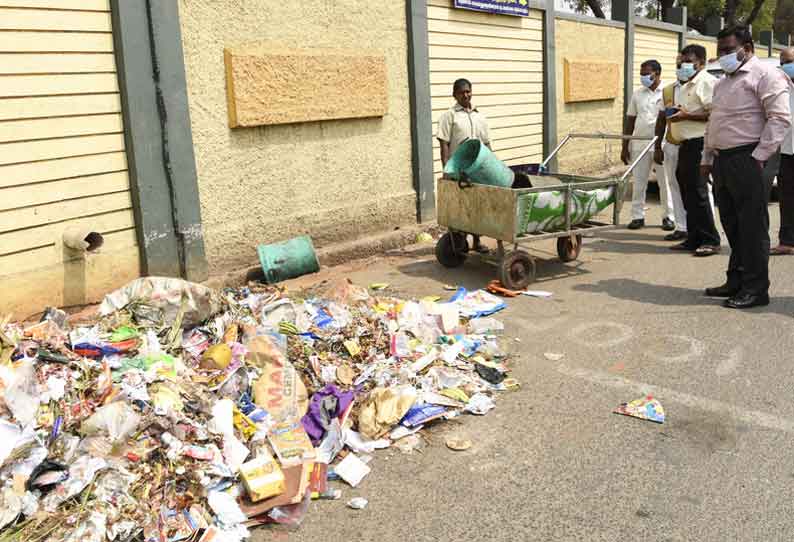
[[226, 508], [479, 404], [118, 420], [91, 530], [165, 294], [280, 389], [21, 394], [10, 505], [81, 473], [383, 409]]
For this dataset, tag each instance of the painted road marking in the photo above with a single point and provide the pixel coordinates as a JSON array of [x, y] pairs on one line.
[[613, 334], [750, 417]]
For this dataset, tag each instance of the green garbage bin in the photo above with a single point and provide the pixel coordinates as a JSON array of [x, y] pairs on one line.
[[476, 161], [287, 260]]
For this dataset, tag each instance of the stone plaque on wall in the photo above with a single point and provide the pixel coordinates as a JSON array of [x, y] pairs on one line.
[[588, 81], [271, 86]]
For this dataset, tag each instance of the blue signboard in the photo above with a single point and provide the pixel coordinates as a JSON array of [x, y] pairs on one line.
[[519, 8]]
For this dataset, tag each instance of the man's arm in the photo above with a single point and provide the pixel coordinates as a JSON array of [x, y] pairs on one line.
[[661, 124], [628, 129], [683, 114], [773, 90], [444, 151]]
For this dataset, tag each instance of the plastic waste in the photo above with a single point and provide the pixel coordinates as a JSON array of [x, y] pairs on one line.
[[116, 420], [480, 404], [168, 295], [483, 326], [352, 470], [357, 503]]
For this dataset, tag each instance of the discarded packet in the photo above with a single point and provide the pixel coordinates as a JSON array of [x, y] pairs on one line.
[[646, 408], [418, 415]]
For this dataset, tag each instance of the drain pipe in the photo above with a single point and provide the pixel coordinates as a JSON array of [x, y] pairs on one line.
[[82, 240]]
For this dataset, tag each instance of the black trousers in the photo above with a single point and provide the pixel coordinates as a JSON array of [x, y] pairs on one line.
[[785, 188], [694, 188], [743, 197]]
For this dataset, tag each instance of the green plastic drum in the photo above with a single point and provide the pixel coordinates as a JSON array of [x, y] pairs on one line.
[[287, 260], [479, 164]]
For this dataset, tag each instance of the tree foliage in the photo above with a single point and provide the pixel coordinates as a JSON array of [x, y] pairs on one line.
[[759, 13]]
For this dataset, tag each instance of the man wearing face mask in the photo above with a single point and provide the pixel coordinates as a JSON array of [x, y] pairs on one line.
[[749, 120], [687, 124], [641, 121], [666, 152], [785, 176]]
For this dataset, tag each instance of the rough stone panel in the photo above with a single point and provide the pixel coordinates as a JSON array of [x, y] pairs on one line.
[[577, 40], [266, 85], [334, 180], [590, 81]]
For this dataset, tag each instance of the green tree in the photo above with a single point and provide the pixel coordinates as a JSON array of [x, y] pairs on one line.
[[760, 13]]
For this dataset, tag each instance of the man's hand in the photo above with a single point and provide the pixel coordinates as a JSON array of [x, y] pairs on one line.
[[705, 171], [761, 165], [682, 114], [658, 156], [625, 156]]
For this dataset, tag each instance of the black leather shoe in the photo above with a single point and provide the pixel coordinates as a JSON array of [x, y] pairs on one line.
[[668, 225], [683, 247], [722, 291], [636, 224], [746, 301], [676, 236]]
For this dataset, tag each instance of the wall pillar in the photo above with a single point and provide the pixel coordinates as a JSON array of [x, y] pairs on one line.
[[549, 84], [421, 110], [158, 138], [623, 10]]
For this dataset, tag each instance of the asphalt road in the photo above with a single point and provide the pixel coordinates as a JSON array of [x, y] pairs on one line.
[[552, 462]]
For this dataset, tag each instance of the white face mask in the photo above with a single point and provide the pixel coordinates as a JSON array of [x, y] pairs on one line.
[[646, 80], [730, 63], [686, 71]]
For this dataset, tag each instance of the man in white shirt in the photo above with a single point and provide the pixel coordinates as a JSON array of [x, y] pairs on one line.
[[462, 122], [666, 154], [640, 121], [785, 176]]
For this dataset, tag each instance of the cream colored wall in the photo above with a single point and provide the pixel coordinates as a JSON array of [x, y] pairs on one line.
[[580, 41], [334, 180]]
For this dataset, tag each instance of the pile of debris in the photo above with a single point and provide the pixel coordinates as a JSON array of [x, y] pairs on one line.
[[180, 412]]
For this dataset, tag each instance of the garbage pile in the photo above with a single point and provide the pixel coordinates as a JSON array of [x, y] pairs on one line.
[[179, 412]]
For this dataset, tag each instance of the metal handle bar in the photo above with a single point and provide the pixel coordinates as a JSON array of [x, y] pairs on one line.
[[601, 135]]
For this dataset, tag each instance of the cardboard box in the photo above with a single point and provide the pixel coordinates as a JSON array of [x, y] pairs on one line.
[[262, 478]]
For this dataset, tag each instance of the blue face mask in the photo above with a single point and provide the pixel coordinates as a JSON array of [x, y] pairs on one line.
[[646, 80], [686, 71], [788, 69], [730, 63]]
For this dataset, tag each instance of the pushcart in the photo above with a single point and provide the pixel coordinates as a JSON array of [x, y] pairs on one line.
[[566, 208]]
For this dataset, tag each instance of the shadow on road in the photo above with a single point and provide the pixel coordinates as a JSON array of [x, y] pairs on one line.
[[673, 296], [628, 243], [476, 273]]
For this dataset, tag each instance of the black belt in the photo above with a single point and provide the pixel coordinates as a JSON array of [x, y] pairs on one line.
[[691, 140], [737, 150]]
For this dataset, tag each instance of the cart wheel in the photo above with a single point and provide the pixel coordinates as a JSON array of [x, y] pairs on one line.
[[517, 270], [566, 249], [451, 249]]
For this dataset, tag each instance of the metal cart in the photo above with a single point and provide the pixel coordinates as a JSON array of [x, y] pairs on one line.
[[491, 211]]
